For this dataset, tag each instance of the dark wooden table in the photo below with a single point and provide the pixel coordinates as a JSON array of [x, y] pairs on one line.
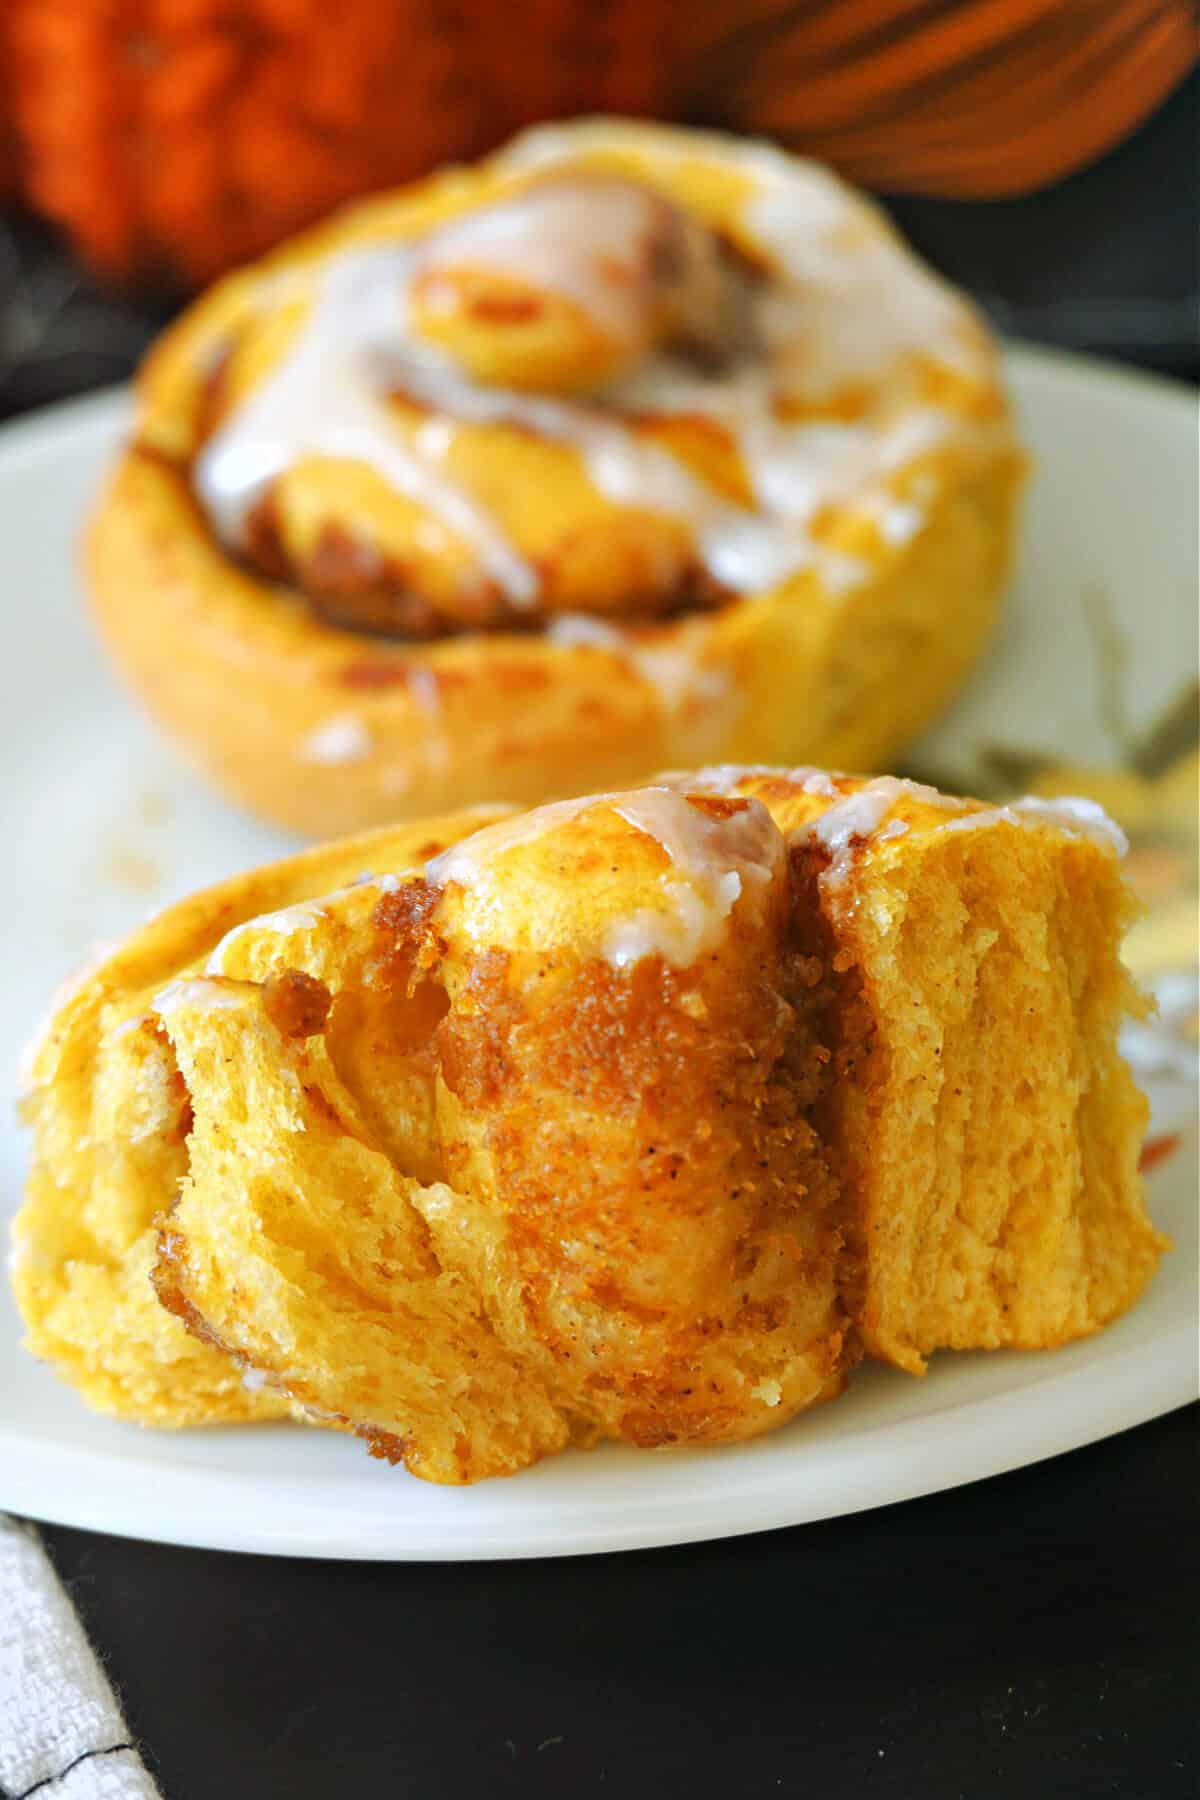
[[1031, 1636]]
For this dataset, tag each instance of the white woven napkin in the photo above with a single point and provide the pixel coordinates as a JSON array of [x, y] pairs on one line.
[[62, 1736]]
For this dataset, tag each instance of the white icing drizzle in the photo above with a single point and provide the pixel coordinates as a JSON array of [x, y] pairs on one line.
[[855, 299], [725, 778], [324, 399], [847, 304], [195, 990], [677, 676], [713, 861], [436, 747], [585, 242], [673, 668], [712, 858], [816, 781], [1078, 817], [850, 820], [796, 469], [423, 686], [856, 818], [342, 739], [287, 922], [1075, 816], [896, 520], [838, 265], [586, 631], [128, 1026], [860, 816]]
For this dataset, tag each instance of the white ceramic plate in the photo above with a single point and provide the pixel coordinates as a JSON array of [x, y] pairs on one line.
[[102, 824]]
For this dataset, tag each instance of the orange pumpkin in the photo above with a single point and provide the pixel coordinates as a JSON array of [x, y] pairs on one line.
[[184, 136], [8, 148]]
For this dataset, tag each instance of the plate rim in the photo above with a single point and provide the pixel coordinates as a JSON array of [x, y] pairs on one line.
[[1142, 1388]]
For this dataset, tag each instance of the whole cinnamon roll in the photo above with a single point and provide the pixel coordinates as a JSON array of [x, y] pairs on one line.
[[628, 446]]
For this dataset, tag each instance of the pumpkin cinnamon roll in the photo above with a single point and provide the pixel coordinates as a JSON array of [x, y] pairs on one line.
[[630, 446], [639, 1116]]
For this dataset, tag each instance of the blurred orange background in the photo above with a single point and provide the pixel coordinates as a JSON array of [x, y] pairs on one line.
[[172, 139]]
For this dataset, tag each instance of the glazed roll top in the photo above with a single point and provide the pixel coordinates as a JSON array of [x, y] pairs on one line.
[[623, 989], [616, 371], [568, 1010]]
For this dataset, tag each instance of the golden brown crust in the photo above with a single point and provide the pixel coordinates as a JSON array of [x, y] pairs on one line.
[[253, 688], [434, 1165], [111, 1119]]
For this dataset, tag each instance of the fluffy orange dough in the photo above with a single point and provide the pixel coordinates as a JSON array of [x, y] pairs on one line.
[[639, 1117]]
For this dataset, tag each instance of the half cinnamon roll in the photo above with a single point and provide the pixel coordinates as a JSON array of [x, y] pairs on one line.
[[642, 1116]]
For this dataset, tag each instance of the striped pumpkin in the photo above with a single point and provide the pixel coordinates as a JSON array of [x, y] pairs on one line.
[[180, 137]]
